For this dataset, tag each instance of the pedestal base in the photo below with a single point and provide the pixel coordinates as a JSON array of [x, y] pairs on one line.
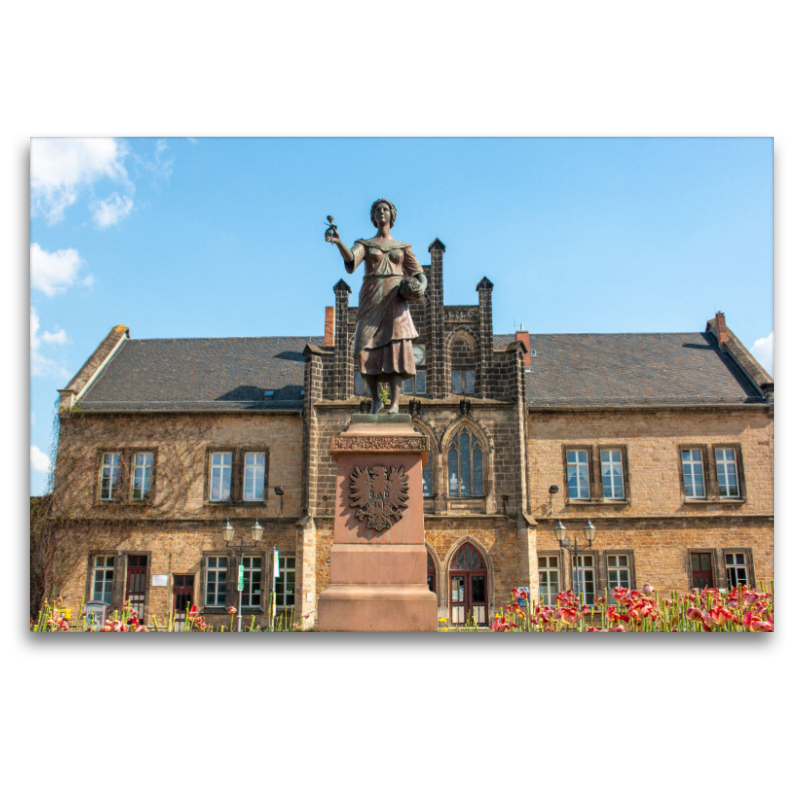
[[370, 607], [378, 572]]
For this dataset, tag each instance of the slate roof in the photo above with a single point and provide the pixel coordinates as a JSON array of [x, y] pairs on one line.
[[202, 375], [568, 370], [632, 369]]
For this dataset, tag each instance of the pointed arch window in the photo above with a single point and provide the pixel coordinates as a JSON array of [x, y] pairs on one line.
[[465, 465]]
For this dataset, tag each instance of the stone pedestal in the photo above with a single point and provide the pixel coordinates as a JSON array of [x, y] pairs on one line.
[[378, 569]]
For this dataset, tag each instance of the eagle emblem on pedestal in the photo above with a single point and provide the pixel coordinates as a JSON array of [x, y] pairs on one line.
[[379, 495]]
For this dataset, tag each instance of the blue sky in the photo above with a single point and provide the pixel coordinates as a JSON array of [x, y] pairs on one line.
[[224, 236]]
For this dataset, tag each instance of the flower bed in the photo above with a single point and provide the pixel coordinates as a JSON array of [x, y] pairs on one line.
[[632, 611]]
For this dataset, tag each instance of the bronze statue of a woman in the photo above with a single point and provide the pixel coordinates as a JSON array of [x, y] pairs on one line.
[[384, 329]]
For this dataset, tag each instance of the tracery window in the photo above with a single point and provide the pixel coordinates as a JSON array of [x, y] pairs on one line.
[[465, 465]]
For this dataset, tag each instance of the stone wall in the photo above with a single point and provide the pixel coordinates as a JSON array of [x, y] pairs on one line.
[[180, 442]]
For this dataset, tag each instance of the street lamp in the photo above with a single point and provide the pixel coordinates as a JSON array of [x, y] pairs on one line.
[[572, 547], [228, 531]]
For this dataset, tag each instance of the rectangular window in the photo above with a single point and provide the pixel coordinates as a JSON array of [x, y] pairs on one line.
[[251, 594], [611, 473], [216, 579], [702, 571], [141, 476], [619, 574], [463, 381], [284, 583], [415, 385], [220, 470], [548, 579], [578, 474], [693, 474], [584, 578], [736, 567], [102, 578], [727, 473], [254, 469], [110, 474]]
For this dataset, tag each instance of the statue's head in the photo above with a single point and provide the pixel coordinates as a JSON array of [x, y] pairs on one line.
[[392, 211]]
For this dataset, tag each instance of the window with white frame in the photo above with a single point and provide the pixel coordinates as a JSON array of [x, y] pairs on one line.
[[141, 475], [693, 474], [578, 474], [220, 474], [253, 572], [465, 466], [584, 578], [216, 580], [727, 472], [102, 578], [548, 579], [284, 583], [611, 473], [110, 474], [619, 573], [736, 567], [254, 469]]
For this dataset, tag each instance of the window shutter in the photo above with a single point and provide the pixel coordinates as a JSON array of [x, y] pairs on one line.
[[207, 482], [232, 582], [626, 487], [118, 580], [737, 448]]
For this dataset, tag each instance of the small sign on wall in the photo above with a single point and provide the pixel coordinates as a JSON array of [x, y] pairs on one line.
[[160, 580]]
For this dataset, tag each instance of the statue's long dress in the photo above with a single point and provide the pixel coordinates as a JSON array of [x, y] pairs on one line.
[[384, 328]]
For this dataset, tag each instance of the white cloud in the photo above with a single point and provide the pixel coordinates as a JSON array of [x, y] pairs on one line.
[[112, 210], [764, 352], [40, 364], [58, 336], [52, 273], [62, 168], [39, 460]]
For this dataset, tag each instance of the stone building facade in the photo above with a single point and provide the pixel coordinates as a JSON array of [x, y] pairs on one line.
[[663, 441]]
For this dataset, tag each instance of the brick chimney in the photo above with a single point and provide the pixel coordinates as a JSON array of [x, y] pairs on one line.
[[524, 337], [722, 328], [330, 326]]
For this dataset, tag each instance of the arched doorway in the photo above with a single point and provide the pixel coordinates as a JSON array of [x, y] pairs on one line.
[[468, 587]]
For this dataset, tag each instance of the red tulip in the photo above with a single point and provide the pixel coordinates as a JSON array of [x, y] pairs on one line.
[[231, 610], [193, 610]]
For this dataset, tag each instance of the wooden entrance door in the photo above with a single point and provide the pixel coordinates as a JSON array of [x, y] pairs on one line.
[[182, 597], [136, 584], [468, 587]]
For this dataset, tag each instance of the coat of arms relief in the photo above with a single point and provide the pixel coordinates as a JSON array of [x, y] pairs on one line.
[[379, 494]]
